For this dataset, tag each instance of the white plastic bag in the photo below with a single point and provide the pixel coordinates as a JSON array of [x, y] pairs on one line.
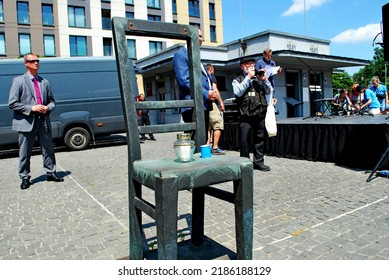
[[270, 121]]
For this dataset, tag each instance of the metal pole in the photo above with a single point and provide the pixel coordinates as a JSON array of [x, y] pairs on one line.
[[305, 19], [241, 32]]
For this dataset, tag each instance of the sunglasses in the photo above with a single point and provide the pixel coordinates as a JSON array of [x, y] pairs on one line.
[[33, 61]]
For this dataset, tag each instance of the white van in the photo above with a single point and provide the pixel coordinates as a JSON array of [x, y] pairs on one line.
[[87, 95]]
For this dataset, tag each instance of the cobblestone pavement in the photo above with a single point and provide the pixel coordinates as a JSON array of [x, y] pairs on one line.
[[303, 210]]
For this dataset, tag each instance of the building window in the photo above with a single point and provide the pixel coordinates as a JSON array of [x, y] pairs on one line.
[[24, 44], [194, 8], [106, 19], [195, 24], [155, 47], [23, 15], [131, 48], [76, 16], [212, 14], [47, 14], [213, 33], [154, 4], [49, 45], [107, 46], [1, 11], [78, 46], [130, 15], [129, 2], [174, 6], [154, 17], [2, 44]]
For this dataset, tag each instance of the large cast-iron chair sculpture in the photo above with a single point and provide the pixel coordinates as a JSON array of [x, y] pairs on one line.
[[166, 177]]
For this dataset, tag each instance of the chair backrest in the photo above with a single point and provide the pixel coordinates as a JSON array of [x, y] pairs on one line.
[[122, 27]]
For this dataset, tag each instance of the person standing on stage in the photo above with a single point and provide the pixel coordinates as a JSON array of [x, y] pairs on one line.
[[250, 90], [32, 100], [265, 62]]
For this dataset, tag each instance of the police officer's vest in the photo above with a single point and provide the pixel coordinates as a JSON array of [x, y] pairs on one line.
[[253, 101]]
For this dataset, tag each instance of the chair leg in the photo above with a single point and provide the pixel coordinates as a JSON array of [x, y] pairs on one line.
[[198, 201], [135, 222], [166, 202], [244, 214]]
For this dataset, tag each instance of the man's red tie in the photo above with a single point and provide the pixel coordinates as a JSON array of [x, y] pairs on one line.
[[37, 92]]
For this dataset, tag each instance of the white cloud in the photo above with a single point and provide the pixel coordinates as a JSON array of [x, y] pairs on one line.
[[362, 34], [298, 6]]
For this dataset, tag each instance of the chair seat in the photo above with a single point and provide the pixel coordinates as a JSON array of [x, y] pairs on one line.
[[197, 173]]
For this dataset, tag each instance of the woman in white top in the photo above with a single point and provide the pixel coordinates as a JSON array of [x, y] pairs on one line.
[[341, 103]]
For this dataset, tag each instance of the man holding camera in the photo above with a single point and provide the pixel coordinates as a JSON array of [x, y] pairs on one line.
[[250, 90]]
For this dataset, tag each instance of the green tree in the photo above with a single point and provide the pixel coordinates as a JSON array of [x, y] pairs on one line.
[[341, 80], [375, 68]]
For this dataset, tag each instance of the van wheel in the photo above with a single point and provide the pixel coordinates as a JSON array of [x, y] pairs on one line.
[[77, 138]]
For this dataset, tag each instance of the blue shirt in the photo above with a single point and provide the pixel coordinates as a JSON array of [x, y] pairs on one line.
[[369, 94], [181, 70], [261, 64], [379, 91]]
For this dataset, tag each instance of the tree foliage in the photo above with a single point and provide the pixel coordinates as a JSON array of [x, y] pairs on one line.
[[375, 68], [341, 80]]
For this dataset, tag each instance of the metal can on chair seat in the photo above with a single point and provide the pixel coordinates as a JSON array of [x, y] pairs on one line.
[[184, 147]]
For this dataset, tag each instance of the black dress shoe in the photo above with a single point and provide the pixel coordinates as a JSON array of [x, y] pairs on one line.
[[152, 138], [261, 167], [54, 177], [25, 184]]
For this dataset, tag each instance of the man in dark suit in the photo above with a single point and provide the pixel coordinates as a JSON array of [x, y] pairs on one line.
[[32, 100], [181, 70]]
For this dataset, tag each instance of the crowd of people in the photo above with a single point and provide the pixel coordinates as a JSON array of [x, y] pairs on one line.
[[361, 99], [32, 100]]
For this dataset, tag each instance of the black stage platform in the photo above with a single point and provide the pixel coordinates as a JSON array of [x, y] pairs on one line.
[[351, 141]]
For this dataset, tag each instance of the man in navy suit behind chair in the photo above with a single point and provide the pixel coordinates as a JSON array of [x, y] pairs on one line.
[[181, 69], [32, 100]]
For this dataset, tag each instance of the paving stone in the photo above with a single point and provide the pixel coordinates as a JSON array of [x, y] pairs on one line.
[[302, 209]]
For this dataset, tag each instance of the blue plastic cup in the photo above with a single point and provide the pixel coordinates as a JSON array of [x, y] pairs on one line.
[[205, 151]]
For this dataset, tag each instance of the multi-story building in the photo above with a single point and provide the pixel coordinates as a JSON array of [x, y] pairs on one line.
[[66, 28]]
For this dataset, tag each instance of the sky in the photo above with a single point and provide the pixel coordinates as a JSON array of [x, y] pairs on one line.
[[350, 25]]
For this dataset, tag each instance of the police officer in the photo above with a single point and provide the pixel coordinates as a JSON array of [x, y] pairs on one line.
[[250, 90]]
